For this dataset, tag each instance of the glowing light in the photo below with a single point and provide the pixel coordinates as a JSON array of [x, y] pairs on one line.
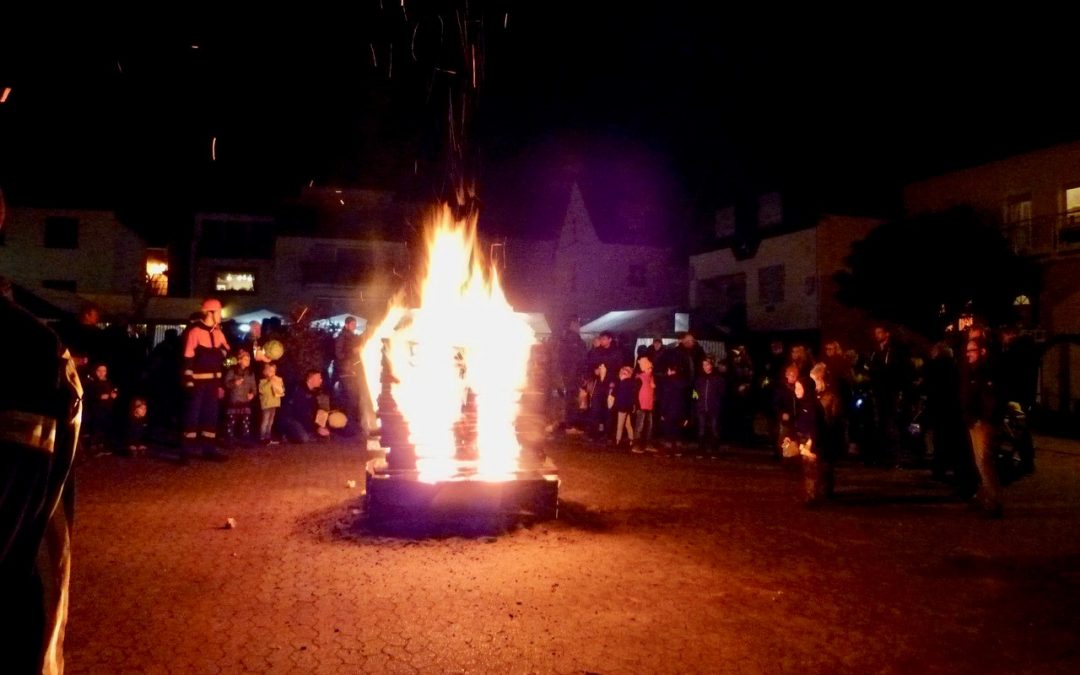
[[213, 149], [4, 93], [463, 343]]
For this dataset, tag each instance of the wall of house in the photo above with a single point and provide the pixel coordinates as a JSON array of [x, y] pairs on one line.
[[109, 257], [1043, 173], [1060, 298], [793, 305], [368, 298]]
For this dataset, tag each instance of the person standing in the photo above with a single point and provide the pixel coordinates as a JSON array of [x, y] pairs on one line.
[[205, 349], [890, 378], [981, 408], [347, 368], [39, 429]]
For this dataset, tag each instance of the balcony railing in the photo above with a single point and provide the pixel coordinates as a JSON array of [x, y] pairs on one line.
[[1047, 235]]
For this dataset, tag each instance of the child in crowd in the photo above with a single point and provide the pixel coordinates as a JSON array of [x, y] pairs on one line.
[[643, 418], [240, 390], [271, 391], [709, 390], [100, 396], [626, 395], [135, 429]]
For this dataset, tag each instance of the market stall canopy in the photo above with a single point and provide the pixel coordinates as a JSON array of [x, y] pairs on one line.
[[338, 320], [658, 321], [255, 315]]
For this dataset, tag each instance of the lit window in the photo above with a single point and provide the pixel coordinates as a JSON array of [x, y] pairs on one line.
[[236, 282], [1072, 199], [157, 271]]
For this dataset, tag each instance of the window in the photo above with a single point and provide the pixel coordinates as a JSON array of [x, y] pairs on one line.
[[61, 232], [235, 282], [636, 277], [1018, 209], [157, 271], [59, 284], [770, 211], [771, 285], [354, 265], [1072, 199], [236, 239], [724, 225]]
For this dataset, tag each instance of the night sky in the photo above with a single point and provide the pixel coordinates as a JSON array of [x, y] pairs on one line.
[[121, 112]]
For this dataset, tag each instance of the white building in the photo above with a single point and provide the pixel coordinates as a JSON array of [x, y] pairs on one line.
[[75, 251], [783, 282], [580, 271]]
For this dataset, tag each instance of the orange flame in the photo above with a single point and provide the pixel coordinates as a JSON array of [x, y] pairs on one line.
[[463, 339]]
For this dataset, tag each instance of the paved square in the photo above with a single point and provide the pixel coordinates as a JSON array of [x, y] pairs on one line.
[[658, 564]]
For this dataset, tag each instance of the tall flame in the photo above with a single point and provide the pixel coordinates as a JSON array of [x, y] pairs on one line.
[[464, 339]]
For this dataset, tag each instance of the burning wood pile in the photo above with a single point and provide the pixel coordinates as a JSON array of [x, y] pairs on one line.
[[456, 412]]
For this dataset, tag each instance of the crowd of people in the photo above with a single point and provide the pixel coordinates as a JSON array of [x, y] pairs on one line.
[[213, 386], [887, 407]]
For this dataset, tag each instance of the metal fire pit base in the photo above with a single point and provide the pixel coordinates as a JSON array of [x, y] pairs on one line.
[[398, 496]]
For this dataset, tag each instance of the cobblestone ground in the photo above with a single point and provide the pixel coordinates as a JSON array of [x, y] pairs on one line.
[[655, 565]]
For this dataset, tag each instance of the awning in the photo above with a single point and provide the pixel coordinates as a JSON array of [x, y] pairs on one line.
[[338, 320], [255, 315], [655, 321]]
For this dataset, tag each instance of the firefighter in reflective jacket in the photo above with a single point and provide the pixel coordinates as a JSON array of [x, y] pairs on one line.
[[39, 426], [205, 349]]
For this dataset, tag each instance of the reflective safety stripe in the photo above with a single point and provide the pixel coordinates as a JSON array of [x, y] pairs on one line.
[[209, 434], [205, 376], [29, 429]]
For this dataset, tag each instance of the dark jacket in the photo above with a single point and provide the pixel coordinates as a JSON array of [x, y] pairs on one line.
[[626, 394], [709, 391]]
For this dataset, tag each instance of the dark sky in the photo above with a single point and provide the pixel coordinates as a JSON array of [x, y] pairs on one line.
[[121, 111]]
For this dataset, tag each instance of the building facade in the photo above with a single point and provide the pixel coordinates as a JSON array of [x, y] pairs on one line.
[[71, 250], [578, 272], [1035, 198], [780, 279]]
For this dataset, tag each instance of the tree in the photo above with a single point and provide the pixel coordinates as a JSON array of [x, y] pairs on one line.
[[923, 271]]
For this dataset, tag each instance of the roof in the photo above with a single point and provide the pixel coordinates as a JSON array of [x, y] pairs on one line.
[[653, 320], [629, 194]]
